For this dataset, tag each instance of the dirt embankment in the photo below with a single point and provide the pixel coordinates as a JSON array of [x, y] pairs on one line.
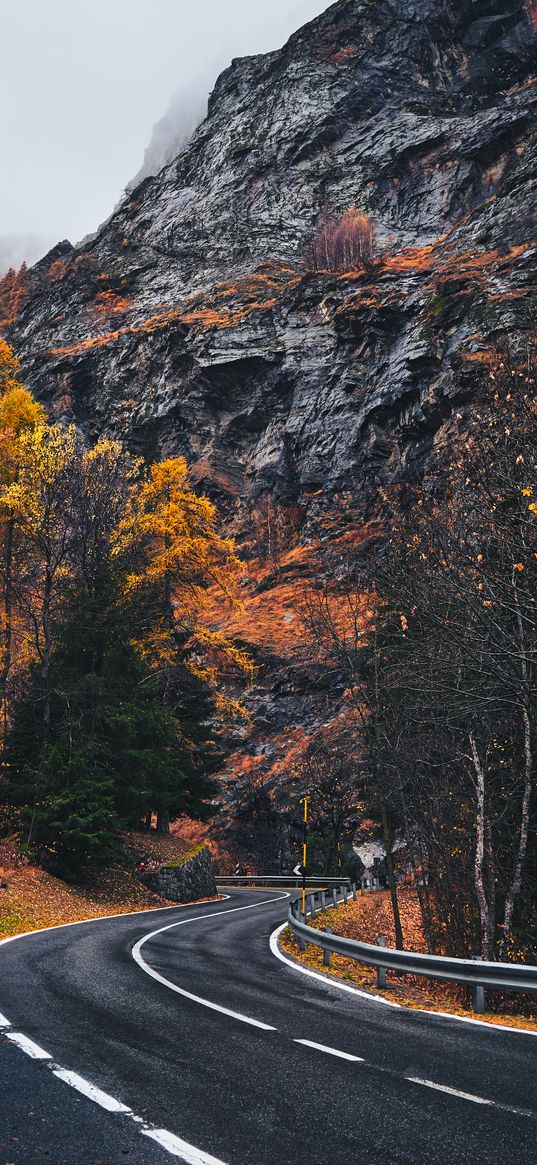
[[31, 898]]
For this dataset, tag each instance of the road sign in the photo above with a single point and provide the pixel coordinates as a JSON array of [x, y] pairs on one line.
[[298, 870]]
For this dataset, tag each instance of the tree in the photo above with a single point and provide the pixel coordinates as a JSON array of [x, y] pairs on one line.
[[19, 414], [341, 630], [344, 244], [41, 500], [171, 535], [110, 724], [331, 772], [459, 586]]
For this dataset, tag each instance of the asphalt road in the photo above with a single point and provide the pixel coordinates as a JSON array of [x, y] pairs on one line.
[[205, 1085]]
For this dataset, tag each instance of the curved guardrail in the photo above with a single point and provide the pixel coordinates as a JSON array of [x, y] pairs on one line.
[[473, 973], [279, 880]]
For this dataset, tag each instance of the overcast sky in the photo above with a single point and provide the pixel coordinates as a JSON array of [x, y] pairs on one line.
[[82, 82]]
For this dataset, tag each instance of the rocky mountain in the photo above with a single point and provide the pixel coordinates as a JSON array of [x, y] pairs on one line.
[[172, 134], [299, 300]]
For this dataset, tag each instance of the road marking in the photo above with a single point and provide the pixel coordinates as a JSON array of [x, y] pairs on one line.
[[168, 1141], [451, 1091], [3, 1021], [13, 938], [149, 970], [329, 980], [28, 1046], [179, 1148], [330, 1051], [89, 1090]]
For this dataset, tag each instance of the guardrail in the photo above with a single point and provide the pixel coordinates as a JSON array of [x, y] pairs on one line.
[[474, 973], [278, 880]]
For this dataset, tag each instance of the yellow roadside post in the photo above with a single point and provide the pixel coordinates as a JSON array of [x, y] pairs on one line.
[[305, 802]]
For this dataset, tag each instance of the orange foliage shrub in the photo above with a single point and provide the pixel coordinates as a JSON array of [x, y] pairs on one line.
[[57, 270], [344, 54], [108, 303], [344, 244], [14, 292]]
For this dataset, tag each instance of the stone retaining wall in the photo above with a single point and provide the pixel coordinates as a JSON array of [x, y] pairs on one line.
[[188, 882]]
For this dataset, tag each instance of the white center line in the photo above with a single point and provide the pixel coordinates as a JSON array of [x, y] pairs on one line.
[[179, 1148], [451, 1091], [89, 1090], [330, 1051], [28, 1046]]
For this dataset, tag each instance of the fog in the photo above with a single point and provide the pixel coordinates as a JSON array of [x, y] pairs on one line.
[[83, 84]]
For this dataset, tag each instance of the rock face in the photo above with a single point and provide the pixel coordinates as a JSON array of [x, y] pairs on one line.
[[197, 322], [192, 322], [189, 882]]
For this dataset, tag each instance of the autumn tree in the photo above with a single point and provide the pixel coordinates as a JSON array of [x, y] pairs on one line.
[[345, 243], [341, 632], [459, 583], [116, 709], [20, 414], [178, 553]]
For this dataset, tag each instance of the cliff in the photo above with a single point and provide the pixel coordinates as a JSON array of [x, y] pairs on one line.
[[212, 316]]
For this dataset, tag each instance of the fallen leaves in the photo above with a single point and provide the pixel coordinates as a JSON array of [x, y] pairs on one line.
[[34, 899], [369, 917]]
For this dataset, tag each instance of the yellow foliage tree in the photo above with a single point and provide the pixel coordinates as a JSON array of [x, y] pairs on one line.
[[179, 554], [20, 414], [39, 500]]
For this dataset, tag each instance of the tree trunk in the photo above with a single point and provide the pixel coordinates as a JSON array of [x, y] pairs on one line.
[[163, 821], [388, 841], [7, 633], [479, 860], [516, 881]]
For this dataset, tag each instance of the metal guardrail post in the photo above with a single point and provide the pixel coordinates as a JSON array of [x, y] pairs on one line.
[[354, 891], [334, 896], [381, 971], [323, 900], [362, 888], [326, 954], [478, 992], [311, 904], [344, 892]]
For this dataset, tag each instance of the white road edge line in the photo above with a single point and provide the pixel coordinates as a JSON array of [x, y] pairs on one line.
[[3, 1021], [328, 980], [13, 938], [149, 970], [450, 1091], [330, 1051], [179, 1148], [90, 1090], [28, 1046]]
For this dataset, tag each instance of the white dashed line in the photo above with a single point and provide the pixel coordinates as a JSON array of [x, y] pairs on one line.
[[28, 1046], [450, 1091], [168, 1141], [92, 1093], [181, 1149], [330, 1051]]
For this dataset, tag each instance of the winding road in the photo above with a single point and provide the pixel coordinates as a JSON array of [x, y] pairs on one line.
[[179, 1034]]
